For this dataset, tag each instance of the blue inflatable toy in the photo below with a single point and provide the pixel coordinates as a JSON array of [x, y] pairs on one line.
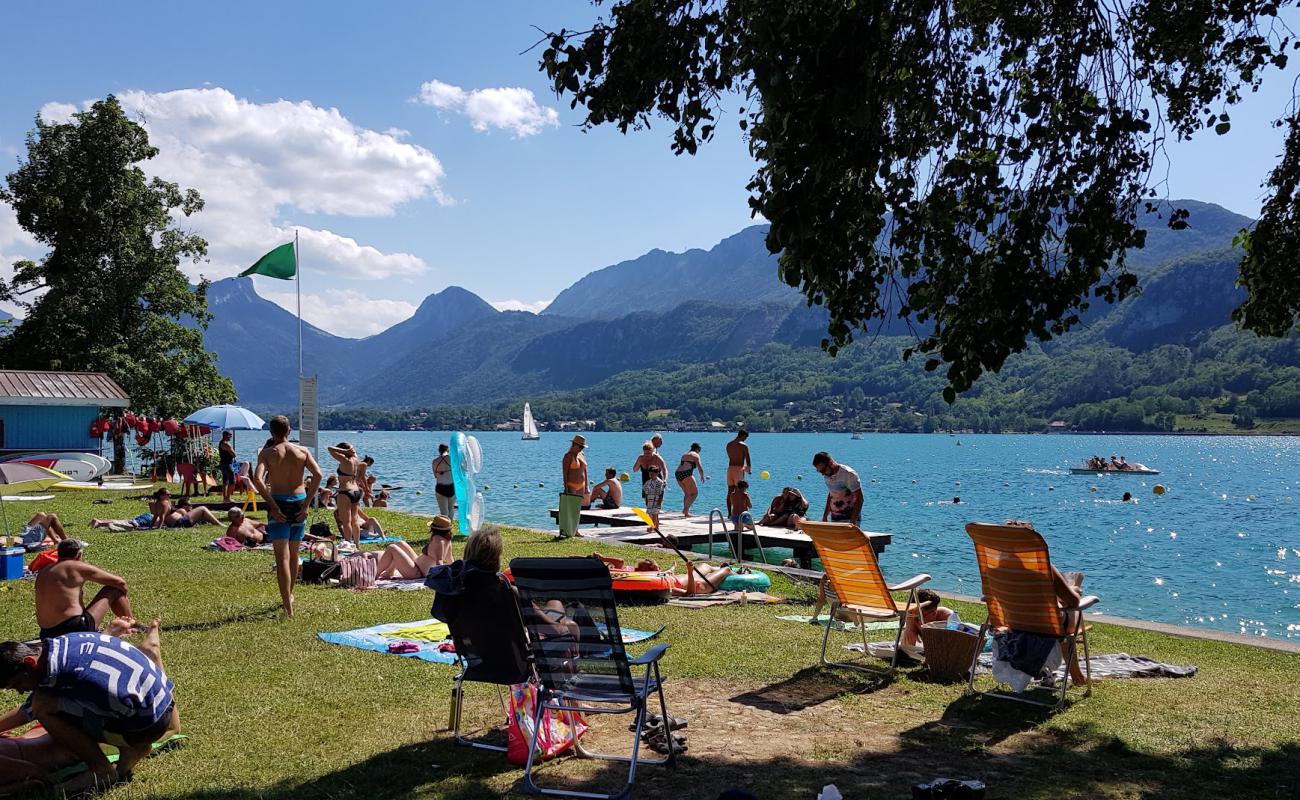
[[746, 582], [466, 462]]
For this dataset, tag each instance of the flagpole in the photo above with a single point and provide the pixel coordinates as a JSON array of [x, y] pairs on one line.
[[297, 280]]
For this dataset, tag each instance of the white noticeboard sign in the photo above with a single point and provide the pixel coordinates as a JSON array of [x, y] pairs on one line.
[[307, 421]]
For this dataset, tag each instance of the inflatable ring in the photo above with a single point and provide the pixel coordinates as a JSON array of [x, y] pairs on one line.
[[643, 588], [746, 582]]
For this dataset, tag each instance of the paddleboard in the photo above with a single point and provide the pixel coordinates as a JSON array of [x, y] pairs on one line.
[[107, 487], [11, 498], [78, 466]]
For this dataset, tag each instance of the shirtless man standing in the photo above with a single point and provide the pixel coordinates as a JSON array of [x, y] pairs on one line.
[[278, 478], [574, 496], [738, 465], [60, 607]]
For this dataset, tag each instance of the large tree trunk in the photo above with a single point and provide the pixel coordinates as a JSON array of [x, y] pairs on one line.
[[119, 452]]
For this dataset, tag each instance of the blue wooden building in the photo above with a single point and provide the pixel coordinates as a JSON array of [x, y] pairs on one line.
[[54, 410]]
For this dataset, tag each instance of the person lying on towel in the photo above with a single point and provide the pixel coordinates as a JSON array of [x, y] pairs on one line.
[[87, 689], [699, 578], [244, 530]]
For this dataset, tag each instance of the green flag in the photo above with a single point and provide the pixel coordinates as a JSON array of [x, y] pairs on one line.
[[279, 263]]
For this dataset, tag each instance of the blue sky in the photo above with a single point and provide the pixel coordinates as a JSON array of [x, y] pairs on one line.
[[306, 115]]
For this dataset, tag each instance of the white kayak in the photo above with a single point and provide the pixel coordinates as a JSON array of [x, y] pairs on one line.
[[77, 466]]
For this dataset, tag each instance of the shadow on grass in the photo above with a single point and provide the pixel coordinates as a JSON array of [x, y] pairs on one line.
[[809, 687], [1077, 761], [270, 612]]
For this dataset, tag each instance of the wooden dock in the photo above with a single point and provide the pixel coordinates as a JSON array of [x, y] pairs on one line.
[[627, 527]]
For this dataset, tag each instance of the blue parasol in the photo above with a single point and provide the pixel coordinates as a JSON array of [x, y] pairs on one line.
[[226, 417]]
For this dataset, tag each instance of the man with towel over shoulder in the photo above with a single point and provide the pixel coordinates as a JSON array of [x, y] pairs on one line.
[[574, 496]]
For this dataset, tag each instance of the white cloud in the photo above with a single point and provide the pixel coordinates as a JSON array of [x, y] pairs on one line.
[[57, 112], [15, 244], [441, 95], [534, 307], [343, 312], [509, 108], [253, 163]]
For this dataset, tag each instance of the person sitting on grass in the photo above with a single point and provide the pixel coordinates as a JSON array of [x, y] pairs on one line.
[[187, 515], [60, 603], [42, 530], [244, 530], [739, 504], [699, 578], [79, 697], [400, 561], [160, 506], [926, 610]]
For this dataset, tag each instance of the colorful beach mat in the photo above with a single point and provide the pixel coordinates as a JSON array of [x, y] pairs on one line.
[[377, 638]]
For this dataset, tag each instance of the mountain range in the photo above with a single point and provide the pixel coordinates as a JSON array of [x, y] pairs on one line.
[[659, 310]]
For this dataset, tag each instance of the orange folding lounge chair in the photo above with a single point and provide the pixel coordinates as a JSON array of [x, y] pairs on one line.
[[1020, 594], [856, 584]]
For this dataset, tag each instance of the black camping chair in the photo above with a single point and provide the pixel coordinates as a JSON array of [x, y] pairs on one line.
[[491, 646], [579, 657]]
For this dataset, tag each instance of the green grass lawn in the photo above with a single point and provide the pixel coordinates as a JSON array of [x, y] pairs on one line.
[[274, 712]]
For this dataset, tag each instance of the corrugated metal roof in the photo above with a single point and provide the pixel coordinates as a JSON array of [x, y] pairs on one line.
[[34, 387]]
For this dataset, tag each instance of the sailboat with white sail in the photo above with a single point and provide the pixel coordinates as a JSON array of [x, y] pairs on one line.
[[530, 426]]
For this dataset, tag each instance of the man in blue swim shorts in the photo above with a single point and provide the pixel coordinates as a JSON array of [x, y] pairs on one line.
[[278, 477]]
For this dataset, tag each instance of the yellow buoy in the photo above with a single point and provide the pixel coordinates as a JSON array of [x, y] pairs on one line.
[[764, 475], [1158, 489], [624, 477]]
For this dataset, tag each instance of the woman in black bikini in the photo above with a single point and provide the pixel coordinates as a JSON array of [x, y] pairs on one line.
[[686, 477], [351, 472], [443, 486]]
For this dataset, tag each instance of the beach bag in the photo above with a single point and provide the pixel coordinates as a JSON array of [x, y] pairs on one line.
[[559, 729], [357, 572], [228, 544], [319, 570]]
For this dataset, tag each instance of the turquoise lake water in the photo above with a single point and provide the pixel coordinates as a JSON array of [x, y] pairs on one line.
[[1221, 549]]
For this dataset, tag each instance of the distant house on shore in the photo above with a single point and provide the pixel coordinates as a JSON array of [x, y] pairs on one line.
[[54, 410], [1058, 426]]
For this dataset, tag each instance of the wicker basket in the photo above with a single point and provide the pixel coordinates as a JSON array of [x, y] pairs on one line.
[[948, 653]]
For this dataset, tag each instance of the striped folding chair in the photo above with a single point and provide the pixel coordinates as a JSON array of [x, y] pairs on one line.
[[568, 607], [856, 585], [1020, 594]]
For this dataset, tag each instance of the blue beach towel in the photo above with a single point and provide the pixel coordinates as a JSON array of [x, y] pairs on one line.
[[380, 539], [375, 640]]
